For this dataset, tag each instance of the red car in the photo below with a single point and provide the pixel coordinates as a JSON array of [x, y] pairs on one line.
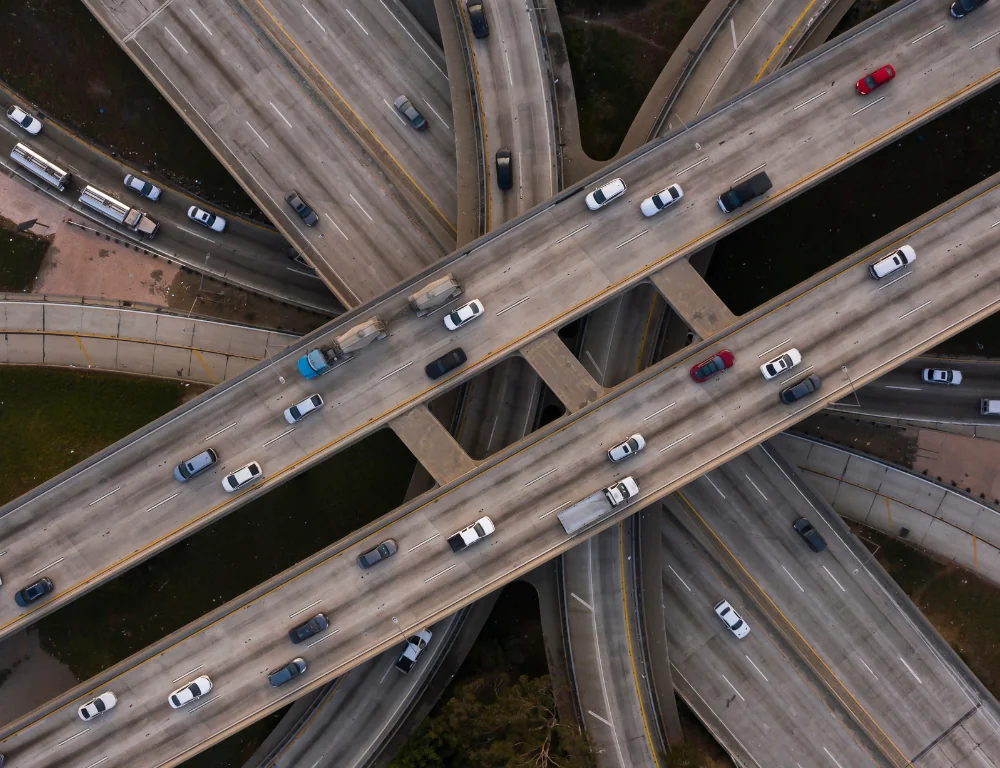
[[869, 83], [707, 368]]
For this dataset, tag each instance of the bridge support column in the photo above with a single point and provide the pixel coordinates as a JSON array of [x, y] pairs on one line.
[[690, 297], [563, 373], [432, 444]]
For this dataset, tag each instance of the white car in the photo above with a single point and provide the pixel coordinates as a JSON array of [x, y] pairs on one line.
[[464, 314], [300, 410], [30, 124], [193, 690], [206, 219], [242, 476], [732, 620], [627, 448], [942, 376], [98, 706], [784, 362], [601, 196], [143, 187], [653, 205]]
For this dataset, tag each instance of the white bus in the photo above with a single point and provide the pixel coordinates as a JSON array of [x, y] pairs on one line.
[[116, 210], [41, 167]]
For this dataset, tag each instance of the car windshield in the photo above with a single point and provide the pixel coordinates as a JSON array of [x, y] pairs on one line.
[[479, 530], [870, 82], [738, 624], [99, 705], [455, 317], [599, 197], [658, 200], [147, 188], [26, 122], [967, 5]]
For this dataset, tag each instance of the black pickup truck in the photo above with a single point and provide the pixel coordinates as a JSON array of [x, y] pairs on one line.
[[736, 196]]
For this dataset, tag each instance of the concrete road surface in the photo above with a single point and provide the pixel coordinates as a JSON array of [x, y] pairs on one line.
[[862, 634], [257, 118], [689, 429], [530, 279]]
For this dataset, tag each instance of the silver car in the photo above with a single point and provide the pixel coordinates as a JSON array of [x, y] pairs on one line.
[[386, 549]]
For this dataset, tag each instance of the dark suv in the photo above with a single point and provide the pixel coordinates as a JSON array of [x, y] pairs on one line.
[[33, 592], [805, 529], [736, 196], [477, 19], [307, 214], [796, 392], [505, 171], [449, 361], [962, 7], [314, 626]]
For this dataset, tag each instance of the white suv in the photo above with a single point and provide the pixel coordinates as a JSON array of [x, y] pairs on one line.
[[603, 195], [206, 219], [300, 410], [464, 314], [242, 476]]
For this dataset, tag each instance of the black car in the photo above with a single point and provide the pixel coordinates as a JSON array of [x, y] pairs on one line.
[[477, 18], [805, 387], [805, 529], [505, 169], [736, 196], [290, 671], [33, 592], [314, 626], [307, 214], [449, 361], [962, 7]]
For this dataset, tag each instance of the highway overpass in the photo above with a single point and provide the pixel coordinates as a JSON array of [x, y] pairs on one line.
[[537, 273], [690, 429]]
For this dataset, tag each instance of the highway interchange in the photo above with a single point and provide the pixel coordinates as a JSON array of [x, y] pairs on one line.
[[715, 627], [521, 488], [607, 252]]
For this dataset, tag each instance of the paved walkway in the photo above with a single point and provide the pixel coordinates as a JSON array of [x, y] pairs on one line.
[[75, 332], [903, 504]]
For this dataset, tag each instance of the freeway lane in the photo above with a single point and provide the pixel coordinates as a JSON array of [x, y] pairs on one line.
[[689, 430], [538, 273]]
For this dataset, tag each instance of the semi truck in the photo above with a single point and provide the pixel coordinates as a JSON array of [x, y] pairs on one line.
[[466, 537], [321, 360], [598, 504], [131, 218], [435, 294]]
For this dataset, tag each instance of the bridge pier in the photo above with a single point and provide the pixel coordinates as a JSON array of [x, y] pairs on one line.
[[562, 372], [689, 296], [432, 444]]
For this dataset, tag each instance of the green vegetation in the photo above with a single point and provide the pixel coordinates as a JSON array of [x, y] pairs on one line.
[[700, 749], [60, 58], [961, 606], [52, 419], [616, 50], [21, 255], [499, 710]]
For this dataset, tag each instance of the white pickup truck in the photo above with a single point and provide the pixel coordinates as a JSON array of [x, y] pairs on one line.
[[414, 645], [466, 537], [598, 504]]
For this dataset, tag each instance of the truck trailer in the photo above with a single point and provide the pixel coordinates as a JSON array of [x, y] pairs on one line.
[[321, 360], [435, 294], [131, 218], [591, 509]]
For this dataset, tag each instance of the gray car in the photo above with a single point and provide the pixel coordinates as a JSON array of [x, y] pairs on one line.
[[290, 671], [307, 214], [407, 110], [807, 386], [386, 549]]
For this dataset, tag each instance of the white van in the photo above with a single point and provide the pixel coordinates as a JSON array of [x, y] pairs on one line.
[[989, 407], [895, 260]]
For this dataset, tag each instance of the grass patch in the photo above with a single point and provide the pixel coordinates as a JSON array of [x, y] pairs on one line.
[[617, 49], [962, 607], [52, 419], [21, 255], [60, 58]]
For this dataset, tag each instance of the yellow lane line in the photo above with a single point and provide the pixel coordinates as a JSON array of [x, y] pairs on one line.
[[84, 350], [794, 629], [204, 365], [631, 654], [358, 118], [781, 44]]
